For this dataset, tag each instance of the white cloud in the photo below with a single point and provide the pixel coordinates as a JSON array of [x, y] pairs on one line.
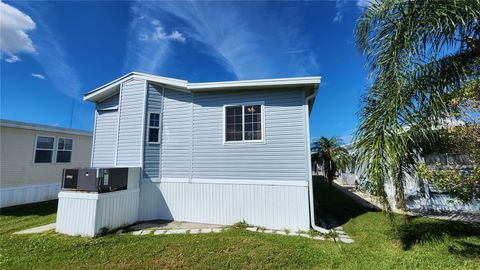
[[250, 42], [339, 5], [50, 53], [38, 76], [160, 34], [364, 3], [12, 58], [14, 25]]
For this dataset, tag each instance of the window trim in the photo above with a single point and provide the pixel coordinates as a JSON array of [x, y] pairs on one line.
[[148, 128], [243, 141], [56, 149]]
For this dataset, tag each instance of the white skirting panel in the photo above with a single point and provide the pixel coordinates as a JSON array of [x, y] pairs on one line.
[[11, 196], [271, 206], [85, 214]]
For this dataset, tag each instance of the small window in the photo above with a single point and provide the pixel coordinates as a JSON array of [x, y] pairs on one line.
[[154, 128], [44, 149], [64, 150], [243, 123]]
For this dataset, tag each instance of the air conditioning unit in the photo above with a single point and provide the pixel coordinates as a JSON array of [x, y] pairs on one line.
[[95, 179]]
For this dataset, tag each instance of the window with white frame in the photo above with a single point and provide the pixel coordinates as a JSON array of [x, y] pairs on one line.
[[243, 123], [64, 150], [154, 128], [44, 149]]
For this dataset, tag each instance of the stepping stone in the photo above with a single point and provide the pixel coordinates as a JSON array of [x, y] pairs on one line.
[[305, 235], [293, 234], [318, 237], [137, 232], [145, 232], [159, 232], [252, 229], [281, 232], [268, 231], [207, 230], [194, 231], [176, 231], [40, 229], [217, 230], [346, 240]]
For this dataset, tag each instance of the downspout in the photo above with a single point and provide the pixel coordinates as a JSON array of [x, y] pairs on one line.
[[309, 160]]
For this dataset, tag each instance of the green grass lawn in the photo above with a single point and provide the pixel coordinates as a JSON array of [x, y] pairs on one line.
[[419, 244]]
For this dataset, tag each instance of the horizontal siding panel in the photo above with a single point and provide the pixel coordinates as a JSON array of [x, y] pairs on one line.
[[152, 154], [105, 137], [176, 152], [131, 123], [285, 138]]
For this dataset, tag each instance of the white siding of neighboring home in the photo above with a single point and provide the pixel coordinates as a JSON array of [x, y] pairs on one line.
[[22, 181]]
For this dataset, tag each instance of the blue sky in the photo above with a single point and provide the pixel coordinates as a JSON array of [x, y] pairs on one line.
[[53, 52]]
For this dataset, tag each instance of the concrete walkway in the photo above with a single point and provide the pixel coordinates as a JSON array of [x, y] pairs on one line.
[[39, 229], [369, 201]]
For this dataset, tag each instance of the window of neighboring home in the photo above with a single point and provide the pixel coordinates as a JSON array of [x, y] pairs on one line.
[[244, 123], [154, 128], [64, 150], [44, 149]]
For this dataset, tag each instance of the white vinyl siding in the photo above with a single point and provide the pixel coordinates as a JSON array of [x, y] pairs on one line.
[[129, 143], [105, 137]]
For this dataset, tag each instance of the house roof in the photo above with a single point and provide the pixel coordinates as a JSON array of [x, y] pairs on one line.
[[112, 87], [46, 128]]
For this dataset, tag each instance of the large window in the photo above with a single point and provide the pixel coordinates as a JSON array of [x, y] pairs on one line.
[[64, 150], [243, 123], [44, 149], [154, 128]]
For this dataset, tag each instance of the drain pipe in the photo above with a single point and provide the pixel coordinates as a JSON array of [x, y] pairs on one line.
[[309, 160]]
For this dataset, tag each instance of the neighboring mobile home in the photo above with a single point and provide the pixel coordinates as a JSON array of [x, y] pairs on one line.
[[33, 157], [217, 152]]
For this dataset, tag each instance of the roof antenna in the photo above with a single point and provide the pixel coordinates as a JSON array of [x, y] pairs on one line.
[[71, 112]]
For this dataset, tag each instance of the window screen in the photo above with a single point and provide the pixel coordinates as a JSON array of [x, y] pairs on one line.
[[44, 149], [154, 128], [243, 123], [64, 150]]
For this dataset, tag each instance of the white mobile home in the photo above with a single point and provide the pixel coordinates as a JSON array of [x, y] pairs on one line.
[[33, 157], [217, 152]]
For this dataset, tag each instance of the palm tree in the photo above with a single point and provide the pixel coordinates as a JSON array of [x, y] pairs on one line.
[[419, 54], [332, 156]]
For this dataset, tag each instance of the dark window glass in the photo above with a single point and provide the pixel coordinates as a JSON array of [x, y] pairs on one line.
[[253, 122], [64, 156], [153, 134], [154, 119], [234, 123], [45, 142], [65, 144], [43, 156], [44, 149]]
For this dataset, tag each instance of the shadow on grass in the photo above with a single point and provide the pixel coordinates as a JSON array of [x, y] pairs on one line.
[[332, 207], [33, 209], [418, 230]]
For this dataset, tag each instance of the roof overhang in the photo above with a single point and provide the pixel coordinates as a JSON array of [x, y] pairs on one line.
[[113, 87], [39, 127]]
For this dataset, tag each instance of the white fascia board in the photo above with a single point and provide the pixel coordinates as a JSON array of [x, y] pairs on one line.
[[181, 85], [254, 83]]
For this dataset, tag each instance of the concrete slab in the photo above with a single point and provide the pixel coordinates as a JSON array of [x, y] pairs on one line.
[[168, 224], [39, 229]]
